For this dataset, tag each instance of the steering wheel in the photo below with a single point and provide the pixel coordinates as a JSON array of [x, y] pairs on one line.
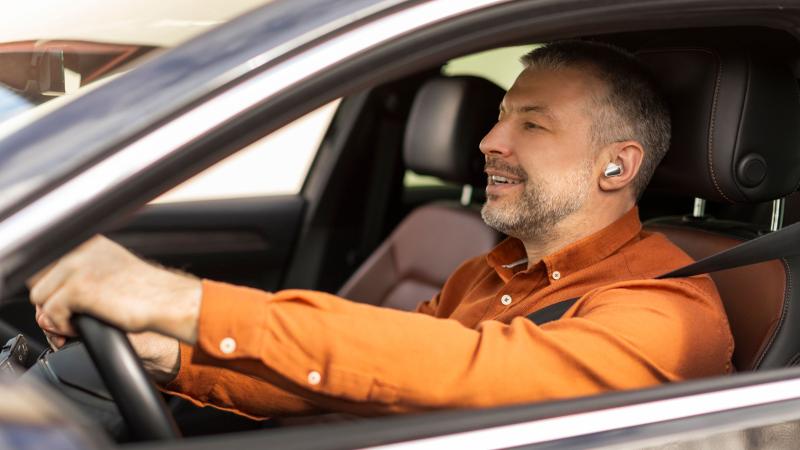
[[137, 398]]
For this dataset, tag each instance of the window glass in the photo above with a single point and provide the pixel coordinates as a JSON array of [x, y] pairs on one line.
[[274, 165], [413, 179], [500, 66]]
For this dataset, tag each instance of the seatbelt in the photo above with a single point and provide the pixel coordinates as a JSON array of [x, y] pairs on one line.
[[778, 244]]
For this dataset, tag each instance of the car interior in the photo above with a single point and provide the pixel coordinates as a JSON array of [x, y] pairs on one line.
[[357, 229]]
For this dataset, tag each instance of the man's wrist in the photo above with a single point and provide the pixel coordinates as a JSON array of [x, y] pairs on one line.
[[160, 355], [180, 317], [166, 369]]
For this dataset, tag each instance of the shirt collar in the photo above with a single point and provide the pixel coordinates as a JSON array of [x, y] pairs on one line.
[[510, 254]]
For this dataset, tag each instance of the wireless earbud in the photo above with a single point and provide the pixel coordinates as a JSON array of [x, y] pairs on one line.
[[613, 170]]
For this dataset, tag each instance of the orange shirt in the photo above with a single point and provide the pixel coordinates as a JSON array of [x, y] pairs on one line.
[[297, 351]]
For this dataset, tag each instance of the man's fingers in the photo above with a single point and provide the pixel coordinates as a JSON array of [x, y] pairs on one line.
[[55, 341], [30, 282], [46, 324], [57, 311], [43, 321], [97, 240], [49, 282]]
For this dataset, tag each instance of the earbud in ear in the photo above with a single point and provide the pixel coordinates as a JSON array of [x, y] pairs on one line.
[[612, 170]]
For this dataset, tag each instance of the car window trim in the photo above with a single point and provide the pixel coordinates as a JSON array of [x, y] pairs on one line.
[[616, 418], [488, 427]]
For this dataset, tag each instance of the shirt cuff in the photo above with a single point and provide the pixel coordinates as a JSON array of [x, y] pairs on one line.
[[230, 327], [220, 330], [190, 383]]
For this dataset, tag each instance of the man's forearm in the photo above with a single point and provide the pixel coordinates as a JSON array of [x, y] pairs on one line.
[[182, 307]]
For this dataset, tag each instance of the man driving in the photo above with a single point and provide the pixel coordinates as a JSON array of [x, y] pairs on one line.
[[578, 137]]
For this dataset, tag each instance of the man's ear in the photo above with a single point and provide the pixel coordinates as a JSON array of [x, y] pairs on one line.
[[627, 155]]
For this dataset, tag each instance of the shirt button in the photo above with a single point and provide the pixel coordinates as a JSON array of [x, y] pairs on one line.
[[506, 299], [227, 345], [314, 377], [556, 275]]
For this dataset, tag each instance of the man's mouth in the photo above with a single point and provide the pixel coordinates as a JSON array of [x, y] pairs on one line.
[[499, 179]]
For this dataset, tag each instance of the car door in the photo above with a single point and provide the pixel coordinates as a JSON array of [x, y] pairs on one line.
[[689, 410]]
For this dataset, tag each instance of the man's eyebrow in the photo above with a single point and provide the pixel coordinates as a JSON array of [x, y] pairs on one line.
[[539, 109]]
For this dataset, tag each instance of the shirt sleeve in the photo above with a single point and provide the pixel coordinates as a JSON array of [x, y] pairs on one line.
[[356, 358], [205, 386]]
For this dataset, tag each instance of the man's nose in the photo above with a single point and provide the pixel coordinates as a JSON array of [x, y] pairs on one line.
[[496, 142]]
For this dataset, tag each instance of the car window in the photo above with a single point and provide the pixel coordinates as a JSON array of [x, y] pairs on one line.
[[277, 164], [501, 66]]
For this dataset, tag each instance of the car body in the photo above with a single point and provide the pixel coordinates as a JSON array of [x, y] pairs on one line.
[[92, 163]]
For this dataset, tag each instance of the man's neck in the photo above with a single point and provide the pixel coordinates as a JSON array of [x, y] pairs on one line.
[[570, 229]]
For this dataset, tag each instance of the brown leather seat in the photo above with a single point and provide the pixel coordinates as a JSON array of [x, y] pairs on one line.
[[735, 140], [448, 119], [755, 296]]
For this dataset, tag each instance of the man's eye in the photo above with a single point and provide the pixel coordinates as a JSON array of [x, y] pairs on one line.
[[530, 126]]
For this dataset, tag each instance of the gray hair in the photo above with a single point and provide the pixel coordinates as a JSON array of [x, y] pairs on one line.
[[632, 107]]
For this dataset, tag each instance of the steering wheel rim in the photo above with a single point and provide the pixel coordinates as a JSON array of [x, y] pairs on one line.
[[141, 405]]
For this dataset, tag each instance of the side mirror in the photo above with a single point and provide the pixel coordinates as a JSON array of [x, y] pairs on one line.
[[47, 71]]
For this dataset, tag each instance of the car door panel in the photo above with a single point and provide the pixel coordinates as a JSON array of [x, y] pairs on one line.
[[244, 241]]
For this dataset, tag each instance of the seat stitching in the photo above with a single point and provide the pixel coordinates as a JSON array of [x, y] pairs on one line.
[[784, 311], [742, 112], [711, 128], [717, 82]]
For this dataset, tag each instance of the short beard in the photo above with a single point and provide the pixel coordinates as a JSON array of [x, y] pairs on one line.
[[541, 207]]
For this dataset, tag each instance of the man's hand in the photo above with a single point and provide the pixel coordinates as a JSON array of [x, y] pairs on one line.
[[160, 355], [103, 279]]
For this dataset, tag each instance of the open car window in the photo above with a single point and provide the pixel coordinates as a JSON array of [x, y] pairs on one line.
[[500, 66], [276, 164]]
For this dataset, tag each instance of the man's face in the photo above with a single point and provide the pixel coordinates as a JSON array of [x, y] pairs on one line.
[[540, 157]]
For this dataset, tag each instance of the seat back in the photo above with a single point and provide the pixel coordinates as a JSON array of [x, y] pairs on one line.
[[734, 140], [759, 299], [448, 119]]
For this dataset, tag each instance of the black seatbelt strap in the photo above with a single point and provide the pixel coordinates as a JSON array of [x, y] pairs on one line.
[[778, 244], [552, 312]]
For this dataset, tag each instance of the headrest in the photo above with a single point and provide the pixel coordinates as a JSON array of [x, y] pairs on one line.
[[735, 122], [448, 119]]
